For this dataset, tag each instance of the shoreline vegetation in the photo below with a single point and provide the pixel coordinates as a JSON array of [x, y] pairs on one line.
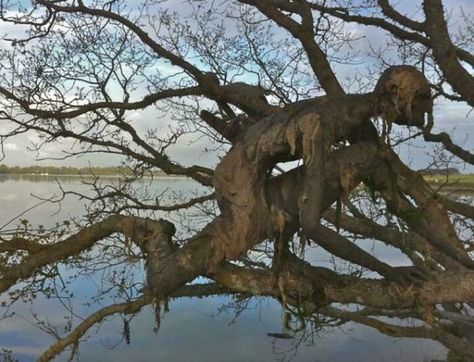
[[451, 182], [73, 171], [454, 181]]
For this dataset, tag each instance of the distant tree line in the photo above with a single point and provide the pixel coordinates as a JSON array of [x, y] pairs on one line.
[[450, 171], [54, 170], [114, 171]]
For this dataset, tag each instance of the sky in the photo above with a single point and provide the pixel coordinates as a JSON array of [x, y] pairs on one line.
[[450, 117]]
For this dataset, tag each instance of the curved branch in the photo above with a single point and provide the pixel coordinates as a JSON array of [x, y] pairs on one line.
[[343, 248], [305, 34], [92, 107], [444, 51], [409, 243], [391, 28], [390, 12], [306, 285], [448, 143], [81, 241], [73, 338], [129, 307], [428, 218]]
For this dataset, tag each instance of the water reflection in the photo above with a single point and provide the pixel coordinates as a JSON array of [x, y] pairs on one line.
[[194, 329], [207, 326]]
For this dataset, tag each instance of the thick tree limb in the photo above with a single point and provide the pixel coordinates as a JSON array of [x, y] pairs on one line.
[[343, 248], [305, 34], [313, 286], [395, 30], [408, 242], [390, 12], [448, 143], [73, 338], [81, 109], [428, 217], [134, 227], [444, 51]]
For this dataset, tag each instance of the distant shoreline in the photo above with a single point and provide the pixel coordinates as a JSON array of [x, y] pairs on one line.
[[451, 183], [86, 175], [454, 182], [55, 171]]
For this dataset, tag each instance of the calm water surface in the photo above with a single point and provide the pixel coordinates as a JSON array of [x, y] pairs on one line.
[[194, 329]]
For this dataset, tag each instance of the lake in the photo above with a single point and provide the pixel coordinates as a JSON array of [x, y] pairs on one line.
[[195, 329]]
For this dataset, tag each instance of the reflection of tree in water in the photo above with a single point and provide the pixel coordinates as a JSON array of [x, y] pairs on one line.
[[309, 309], [258, 81]]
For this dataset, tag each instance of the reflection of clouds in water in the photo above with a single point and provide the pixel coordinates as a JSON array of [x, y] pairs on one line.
[[22, 336], [188, 332], [18, 190], [192, 330]]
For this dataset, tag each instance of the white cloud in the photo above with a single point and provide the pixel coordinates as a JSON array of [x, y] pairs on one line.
[[10, 146]]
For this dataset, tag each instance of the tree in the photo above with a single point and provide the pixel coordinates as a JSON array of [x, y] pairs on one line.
[[258, 79]]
